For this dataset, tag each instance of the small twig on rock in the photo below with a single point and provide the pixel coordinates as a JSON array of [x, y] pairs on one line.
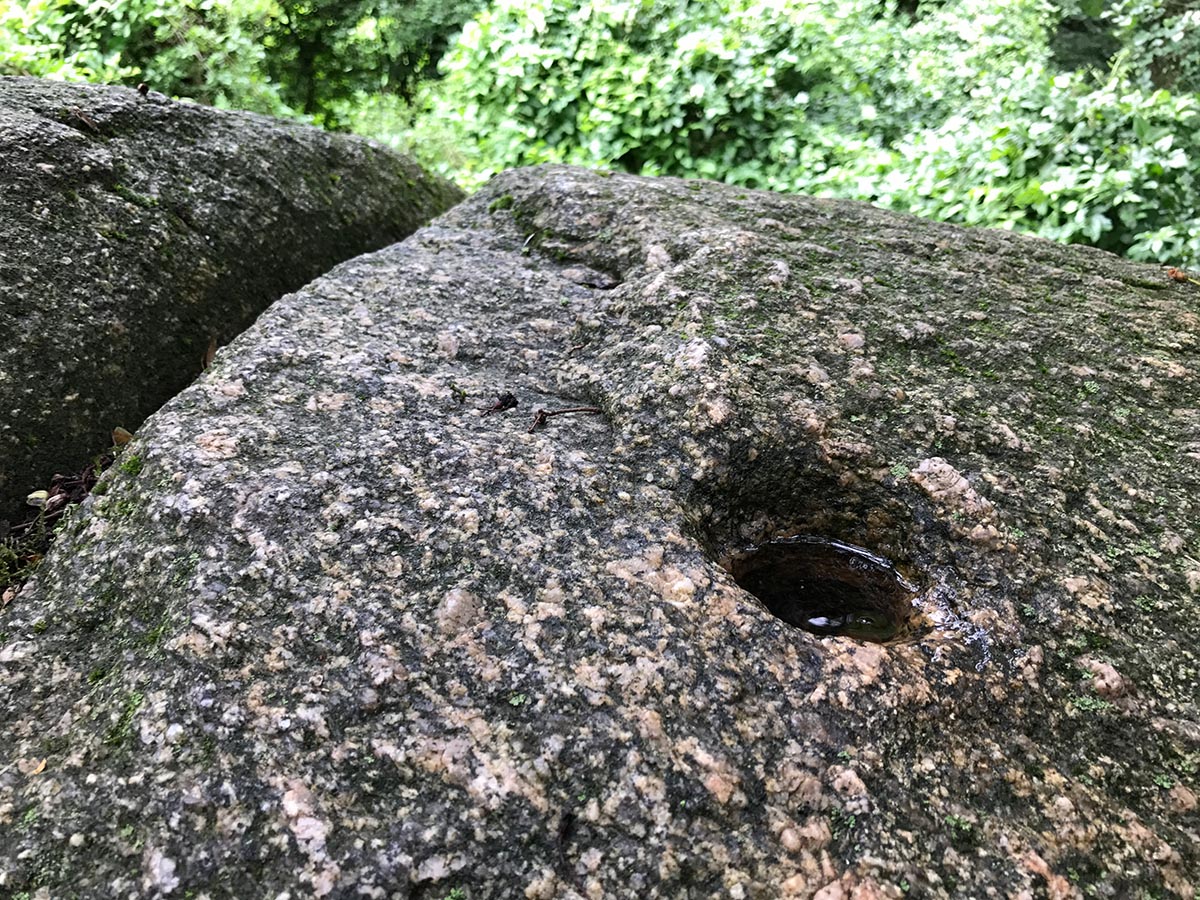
[[83, 117], [503, 402], [540, 417]]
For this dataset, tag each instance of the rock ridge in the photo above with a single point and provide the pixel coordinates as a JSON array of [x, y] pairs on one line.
[[136, 231]]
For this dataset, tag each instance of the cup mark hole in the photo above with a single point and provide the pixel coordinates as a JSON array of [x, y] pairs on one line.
[[829, 588]]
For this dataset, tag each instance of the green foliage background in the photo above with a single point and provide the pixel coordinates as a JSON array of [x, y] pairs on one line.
[[1078, 120]]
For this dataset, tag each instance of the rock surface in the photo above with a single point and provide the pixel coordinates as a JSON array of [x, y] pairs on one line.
[[334, 632], [135, 230]]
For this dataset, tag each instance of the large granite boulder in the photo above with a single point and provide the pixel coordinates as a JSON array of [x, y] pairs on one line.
[[135, 232], [331, 630]]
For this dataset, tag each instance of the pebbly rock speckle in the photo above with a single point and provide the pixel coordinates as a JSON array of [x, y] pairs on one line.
[[345, 635]]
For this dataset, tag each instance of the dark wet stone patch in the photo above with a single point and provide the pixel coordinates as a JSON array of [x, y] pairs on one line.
[[830, 588]]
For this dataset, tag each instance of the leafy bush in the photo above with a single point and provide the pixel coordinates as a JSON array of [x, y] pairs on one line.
[[1161, 40], [206, 50], [732, 89], [955, 113], [327, 56], [1107, 165], [312, 58]]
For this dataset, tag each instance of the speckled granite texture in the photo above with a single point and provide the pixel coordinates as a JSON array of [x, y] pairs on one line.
[[330, 631], [135, 230]]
